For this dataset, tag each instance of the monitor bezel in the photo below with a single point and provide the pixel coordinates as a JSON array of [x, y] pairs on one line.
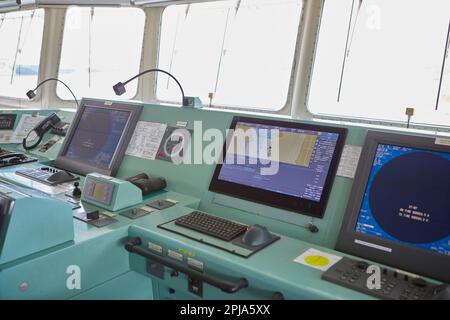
[[274, 199], [66, 163], [408, 258], [5, 217]]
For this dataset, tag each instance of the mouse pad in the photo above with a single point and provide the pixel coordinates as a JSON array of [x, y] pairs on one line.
[[238, 242], [229, 246]]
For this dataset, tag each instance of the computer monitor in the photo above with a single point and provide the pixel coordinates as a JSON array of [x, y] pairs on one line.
[[399, 209], [98, 137], [296, 174]]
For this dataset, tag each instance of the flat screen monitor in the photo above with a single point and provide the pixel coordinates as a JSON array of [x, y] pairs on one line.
[[288, 165], [399, 210], [98, 137]]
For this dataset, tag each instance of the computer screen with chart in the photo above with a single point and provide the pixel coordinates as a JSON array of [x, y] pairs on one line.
[[400, 213], [283, 164], [98, 137]]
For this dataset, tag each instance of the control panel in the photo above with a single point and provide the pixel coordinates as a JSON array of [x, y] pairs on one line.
[[110, 193], [11, 158], [393, 285], [7, 121]]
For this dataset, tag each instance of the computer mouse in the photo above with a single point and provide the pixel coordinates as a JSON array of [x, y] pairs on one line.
[[60, 176], [256, 235]]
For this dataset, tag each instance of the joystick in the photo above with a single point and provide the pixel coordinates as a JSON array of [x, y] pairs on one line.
[[76, 193]]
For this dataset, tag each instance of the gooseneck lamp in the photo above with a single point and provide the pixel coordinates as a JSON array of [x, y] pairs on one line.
[[119, 87], [32, 93]]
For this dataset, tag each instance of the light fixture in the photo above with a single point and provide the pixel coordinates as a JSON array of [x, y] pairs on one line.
[[119, 88], [32, 93]]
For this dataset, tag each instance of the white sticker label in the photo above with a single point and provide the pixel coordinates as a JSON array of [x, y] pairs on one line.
[[317, 259], [195, 263], [154, 247], [442, 142], [182, 124], [349, 161], [175, 255]]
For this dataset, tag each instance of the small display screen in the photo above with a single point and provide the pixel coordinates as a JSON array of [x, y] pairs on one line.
[[407, 198], [97, 136], [99, 192]]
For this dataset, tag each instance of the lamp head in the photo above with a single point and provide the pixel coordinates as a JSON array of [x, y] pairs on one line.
[[119, 88], [31, 94]]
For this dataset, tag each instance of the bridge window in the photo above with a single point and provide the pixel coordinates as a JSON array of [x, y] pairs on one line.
[[20, 43], [240, 51], [101, 46], [376, 57]]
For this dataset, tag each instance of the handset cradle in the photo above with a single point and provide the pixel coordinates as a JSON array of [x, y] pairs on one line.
[[51, 121]]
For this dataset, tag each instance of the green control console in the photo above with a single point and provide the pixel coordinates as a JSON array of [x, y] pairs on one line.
[[26, 217]]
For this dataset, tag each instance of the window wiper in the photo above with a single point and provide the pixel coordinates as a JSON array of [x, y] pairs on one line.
[[447, 43], [90, 47], [348, 42], [17, 51], [238, 6], [2, 20], [20, 46], [175, 41]]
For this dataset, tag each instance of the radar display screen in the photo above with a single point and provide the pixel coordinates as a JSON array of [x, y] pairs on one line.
[[97, 136], [407, 198]]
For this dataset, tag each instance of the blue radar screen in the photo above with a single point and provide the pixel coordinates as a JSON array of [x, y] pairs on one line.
[[97, 136], [407, 198]]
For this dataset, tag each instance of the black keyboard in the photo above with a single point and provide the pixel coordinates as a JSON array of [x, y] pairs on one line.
[[216, 227]]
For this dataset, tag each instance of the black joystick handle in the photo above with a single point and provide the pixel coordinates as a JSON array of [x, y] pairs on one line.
[[76, 191]]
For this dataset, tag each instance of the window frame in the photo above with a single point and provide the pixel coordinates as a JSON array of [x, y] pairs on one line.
[[286, 108], [354, 120], [60, 45], [17, 101]]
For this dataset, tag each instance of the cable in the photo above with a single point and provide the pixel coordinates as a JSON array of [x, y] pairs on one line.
[[90, 47], [350, 35], [24, 41], [447, 42], [34, 145], [17, 51]]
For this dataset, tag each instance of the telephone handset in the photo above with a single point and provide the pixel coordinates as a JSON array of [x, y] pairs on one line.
[[51, 121]]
